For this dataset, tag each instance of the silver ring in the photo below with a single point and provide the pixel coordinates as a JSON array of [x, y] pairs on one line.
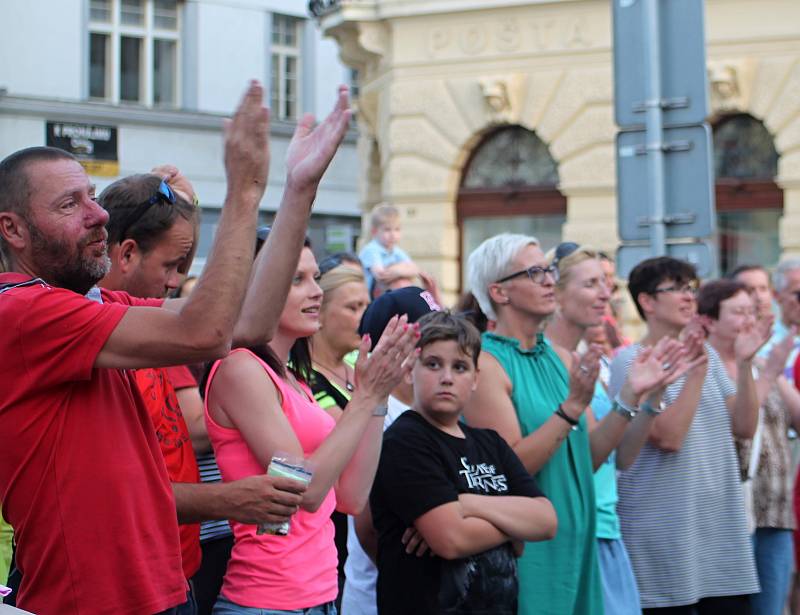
[[665, 366], [584, 369]]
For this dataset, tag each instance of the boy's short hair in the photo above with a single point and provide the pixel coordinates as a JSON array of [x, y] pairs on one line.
[[647, 275], [713, 293], [445, 326], [382, 214]]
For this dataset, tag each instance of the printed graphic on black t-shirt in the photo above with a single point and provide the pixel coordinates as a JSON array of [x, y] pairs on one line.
[[422, 468]]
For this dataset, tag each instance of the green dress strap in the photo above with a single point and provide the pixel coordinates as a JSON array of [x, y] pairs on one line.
[[559, 576]]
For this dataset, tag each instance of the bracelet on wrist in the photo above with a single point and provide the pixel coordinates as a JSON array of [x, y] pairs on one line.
[[573, 423], [653, 410], [623, 409]]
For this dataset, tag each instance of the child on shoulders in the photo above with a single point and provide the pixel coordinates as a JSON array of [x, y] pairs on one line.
[[386, 265]]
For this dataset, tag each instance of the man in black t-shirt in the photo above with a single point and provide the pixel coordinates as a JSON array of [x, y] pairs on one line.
[[436, 474]]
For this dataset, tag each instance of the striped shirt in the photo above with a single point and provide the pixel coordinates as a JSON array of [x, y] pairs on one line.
[[682, 514], [209, 473]]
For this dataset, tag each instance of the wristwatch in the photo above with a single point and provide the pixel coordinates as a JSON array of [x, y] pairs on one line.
[[623, 409], [654, 410]]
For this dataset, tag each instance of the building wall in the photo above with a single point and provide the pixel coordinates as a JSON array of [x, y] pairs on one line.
[[427, 70], [223, 44], [34, 32]]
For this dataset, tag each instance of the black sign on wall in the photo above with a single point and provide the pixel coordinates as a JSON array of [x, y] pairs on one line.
[[95, 146]]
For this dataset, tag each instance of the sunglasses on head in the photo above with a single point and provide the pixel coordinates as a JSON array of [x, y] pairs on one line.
[[262, 232], [563, 250], [163, 193], [334, 260]]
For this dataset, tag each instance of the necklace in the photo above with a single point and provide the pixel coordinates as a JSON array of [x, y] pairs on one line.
[[347, 384]]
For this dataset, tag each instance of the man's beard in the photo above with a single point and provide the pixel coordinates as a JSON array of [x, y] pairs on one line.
[[65, 266]]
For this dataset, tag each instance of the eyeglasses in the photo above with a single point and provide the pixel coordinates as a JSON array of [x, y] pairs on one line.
[[163, 193], [684, 289], [334, 260], [536, 274]]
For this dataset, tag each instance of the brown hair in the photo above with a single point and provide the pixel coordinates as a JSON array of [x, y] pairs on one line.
[[714, 292], [468, 307], [445, 326], [131, 218], [647, 275]]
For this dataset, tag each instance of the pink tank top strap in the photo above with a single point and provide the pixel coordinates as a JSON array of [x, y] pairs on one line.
[[279, 382]]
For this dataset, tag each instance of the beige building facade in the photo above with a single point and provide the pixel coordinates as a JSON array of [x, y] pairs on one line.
[[438, 79]]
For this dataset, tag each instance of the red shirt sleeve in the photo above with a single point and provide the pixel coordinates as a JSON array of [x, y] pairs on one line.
[[181, 377], [60, 333], [118, 296]]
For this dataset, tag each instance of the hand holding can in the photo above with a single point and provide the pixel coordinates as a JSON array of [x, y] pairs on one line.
[[287, 466]]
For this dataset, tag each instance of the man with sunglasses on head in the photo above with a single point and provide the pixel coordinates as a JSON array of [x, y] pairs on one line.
[[82, 480], [152, 236], [680, 502]]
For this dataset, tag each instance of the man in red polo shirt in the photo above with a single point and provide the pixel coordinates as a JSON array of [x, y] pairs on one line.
[[82, 480]]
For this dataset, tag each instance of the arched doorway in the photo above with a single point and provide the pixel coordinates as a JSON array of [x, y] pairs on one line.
[[509, 184], [749, 202]]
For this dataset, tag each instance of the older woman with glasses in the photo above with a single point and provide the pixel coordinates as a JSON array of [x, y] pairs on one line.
[[529, 396], [535, 395]]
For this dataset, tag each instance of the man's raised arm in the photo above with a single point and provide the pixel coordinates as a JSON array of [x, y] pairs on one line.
[[203, 327]]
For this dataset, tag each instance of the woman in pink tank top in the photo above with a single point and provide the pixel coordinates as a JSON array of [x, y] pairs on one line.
[[257, 406]]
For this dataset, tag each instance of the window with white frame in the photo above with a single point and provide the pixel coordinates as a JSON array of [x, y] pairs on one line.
[[287, 39], [133, 51]]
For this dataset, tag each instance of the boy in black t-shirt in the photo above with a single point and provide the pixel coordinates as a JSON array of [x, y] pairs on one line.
[[437, 475]]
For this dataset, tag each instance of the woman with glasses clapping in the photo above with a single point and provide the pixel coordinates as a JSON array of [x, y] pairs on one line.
[[527, 394], [534, 395]]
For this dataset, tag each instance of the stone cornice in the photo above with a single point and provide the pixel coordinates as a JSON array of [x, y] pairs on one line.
[[102, 113], [333, 12]]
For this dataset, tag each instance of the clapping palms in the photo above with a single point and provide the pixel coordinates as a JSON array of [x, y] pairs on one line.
[[752, 337], [312, 148], [659, 366]]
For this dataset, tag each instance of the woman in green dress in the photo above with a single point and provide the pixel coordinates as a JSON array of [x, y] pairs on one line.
[[535, 397]]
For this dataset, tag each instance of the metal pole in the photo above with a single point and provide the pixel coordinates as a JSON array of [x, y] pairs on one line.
[[655, 129]]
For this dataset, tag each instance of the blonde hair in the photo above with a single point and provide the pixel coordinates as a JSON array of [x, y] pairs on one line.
[[339, 276], [382, 214], [566, 264]]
